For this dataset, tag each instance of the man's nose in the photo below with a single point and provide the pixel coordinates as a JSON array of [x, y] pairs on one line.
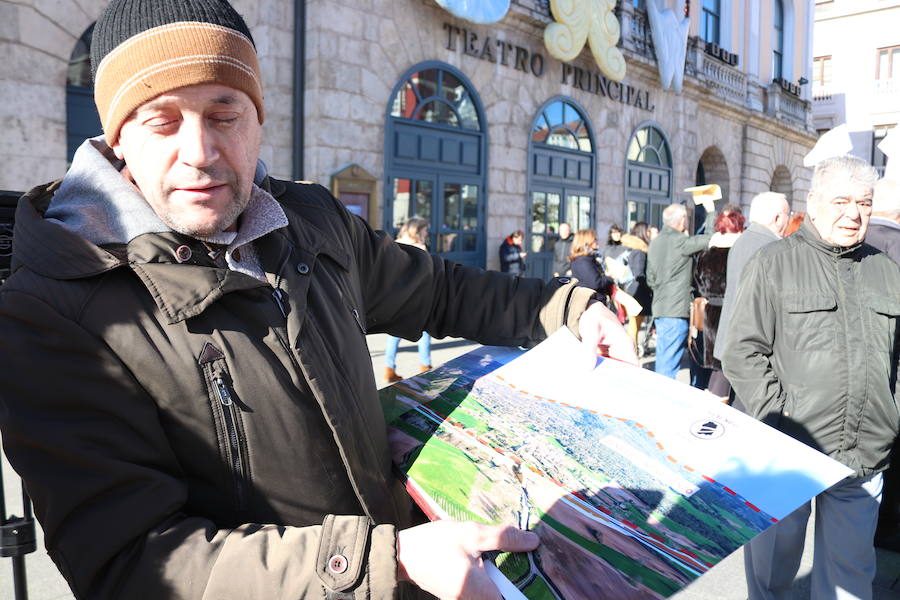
[[852, 210], [196, 144]]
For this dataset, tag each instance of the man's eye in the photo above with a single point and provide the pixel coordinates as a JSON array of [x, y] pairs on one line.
[[161, 123], [223, 119]]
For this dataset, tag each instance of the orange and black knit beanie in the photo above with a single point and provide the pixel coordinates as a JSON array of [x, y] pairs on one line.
[[144, 48]]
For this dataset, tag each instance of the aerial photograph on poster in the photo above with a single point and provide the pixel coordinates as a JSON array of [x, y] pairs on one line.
[[635, 484]]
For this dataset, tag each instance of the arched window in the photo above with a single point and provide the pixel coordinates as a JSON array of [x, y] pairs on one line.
[[436, 160], [436, 96], [782, 183], [82, 120], [648, 181], [561, 180], [648, 145], [777, 39]]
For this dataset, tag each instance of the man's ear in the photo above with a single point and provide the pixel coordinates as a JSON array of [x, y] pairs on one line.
[[811, 204], [117, 149]]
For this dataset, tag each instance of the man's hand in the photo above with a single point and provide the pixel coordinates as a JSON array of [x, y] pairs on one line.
[[602, 334], [444, 557]]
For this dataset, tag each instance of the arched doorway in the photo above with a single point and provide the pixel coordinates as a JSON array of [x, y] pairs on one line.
[[711, 168], [82, 120], [781, 182], [436, 160], [561, 182], [648, 176]]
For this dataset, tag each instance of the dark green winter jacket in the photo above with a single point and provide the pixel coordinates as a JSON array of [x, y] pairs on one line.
[[172, 419], [813, 347], [669, 262]]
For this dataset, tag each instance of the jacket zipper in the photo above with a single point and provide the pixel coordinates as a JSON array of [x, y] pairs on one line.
[[238, 464], [278, 296]]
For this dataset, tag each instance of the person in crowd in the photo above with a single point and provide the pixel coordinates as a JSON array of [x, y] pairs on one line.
[[794, 222], [669, 276], [813, 352], [710, 270], [512, 257], [634, 256], [884, 234], [769, 217], [413, 233], [584, 265], [613, 242], [561, 250], [654, 231], [884, 227], [187, 392]]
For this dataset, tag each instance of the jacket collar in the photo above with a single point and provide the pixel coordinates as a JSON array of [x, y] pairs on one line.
[[809, 234], [761, 230], [634, 243], [181, 290]]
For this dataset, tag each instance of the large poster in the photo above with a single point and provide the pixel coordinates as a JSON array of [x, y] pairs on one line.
[[635, 483]]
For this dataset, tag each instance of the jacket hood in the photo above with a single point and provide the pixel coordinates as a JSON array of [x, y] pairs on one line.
[[633, 242], [49, 249], [82, 225]]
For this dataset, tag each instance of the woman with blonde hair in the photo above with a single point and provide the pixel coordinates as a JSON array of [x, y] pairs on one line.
[[413, 233]]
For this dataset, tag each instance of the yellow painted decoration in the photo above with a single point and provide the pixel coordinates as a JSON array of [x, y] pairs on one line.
[[592, 21]]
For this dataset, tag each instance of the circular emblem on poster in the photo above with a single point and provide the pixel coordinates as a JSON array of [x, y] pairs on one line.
[[707, 429]]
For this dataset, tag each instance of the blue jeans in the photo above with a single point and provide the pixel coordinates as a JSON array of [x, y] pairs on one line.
[[671, 337], [390, 350]]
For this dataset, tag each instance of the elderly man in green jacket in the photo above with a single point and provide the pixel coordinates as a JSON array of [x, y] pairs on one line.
[[813, 351], [187, 391], [669, 261]]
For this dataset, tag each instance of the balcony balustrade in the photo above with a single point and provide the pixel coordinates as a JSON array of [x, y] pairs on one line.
[[726, 81], [781, 104]]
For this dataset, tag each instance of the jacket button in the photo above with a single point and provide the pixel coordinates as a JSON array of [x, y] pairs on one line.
[[302, 268], [337, 564], [183, 253]]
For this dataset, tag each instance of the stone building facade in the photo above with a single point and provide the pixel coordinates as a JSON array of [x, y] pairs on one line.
[[856, 72], [37, 42], [511, 138]]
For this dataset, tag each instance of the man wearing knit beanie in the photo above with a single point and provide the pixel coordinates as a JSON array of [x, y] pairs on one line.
[[187, 393]]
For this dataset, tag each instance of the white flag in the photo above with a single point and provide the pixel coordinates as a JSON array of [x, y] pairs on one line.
[[833, 143]]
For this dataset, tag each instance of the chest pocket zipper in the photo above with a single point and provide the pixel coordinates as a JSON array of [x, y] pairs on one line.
[[235, 441], [228, 421]]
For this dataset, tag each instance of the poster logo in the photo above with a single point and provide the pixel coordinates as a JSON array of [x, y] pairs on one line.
[[707, 430]]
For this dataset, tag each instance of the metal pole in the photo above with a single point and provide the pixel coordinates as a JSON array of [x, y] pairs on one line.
[[17, 538]]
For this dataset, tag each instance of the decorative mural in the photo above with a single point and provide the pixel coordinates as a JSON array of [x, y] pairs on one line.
[[476, 11], [591, 21], [670, 41]]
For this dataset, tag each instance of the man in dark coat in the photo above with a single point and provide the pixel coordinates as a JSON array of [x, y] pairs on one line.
[[884, 234], [769, 217], [561, 250], [187, 394], [669, 261], [813, 350], [884, 227]]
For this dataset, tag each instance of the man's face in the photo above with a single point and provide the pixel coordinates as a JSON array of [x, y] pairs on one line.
[[841, 211], [192, 153], [565, 231]]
